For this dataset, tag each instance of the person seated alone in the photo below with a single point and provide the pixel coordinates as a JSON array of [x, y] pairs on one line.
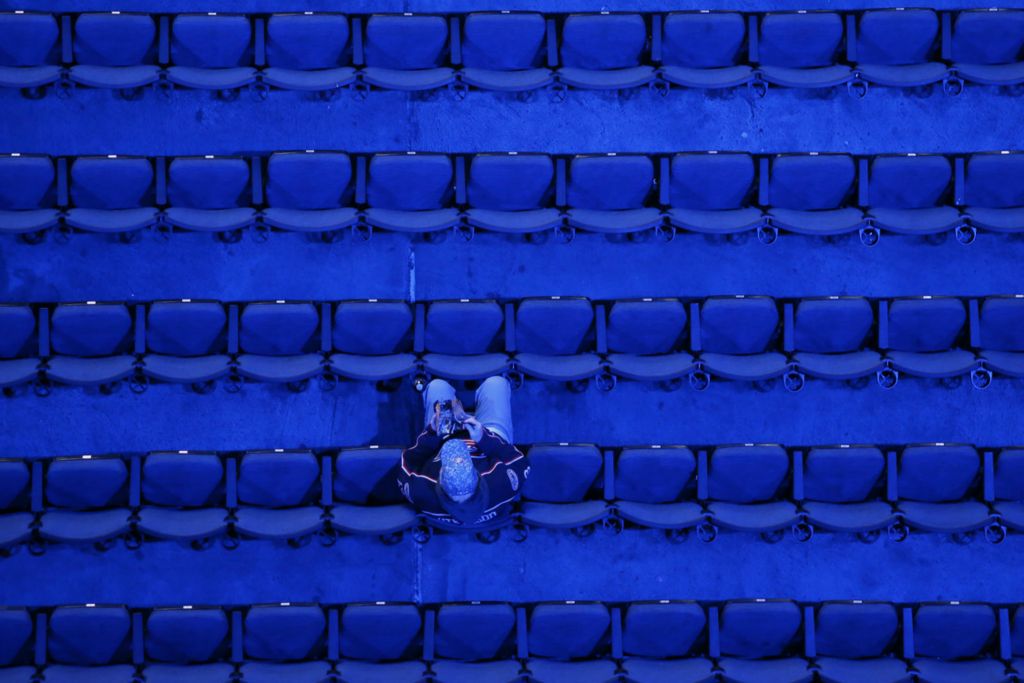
[[463, 471]]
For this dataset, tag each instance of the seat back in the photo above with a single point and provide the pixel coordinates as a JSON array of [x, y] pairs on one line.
[[662, 629], [186, 635], [17, 331], [757, 629], [410, 182], [988, 37], [14, 487], [739, 324], [279, 329], [28, 39], [285, 632], [26, 182], [562, 473], [112, 182], [1009, 474], [855, 630], [183, 479], [711, 182], [89, 635], [309, 180], [1001, 321], [510, 182], [115, 39], [799, 40], [926, 324], [406, 42], [655, 475], [609, 182], [937, 473], [603, 41], [909, 182], [211, 41], [903, 36], [186, 328], [832, 324], [16, 642], [381, 632], [464, 328], [504, 41], [367, 476], [276, 479], [994, 180], [646, 326], [953, 630], [209, 182], [703, 40], [90, 329], [475, 631], [86, 482], [554, 326], [842, 474], [747, 474], [811, 182], [308, 41], [373, 328], [569, 630]]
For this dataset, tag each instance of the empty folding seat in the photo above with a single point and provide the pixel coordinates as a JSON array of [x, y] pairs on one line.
[[842, 489], [909, 194], [604, 51], [1001, 331], [953, 642], [16, 645], [712, 193], [609, 193], [183, 496], [373, 340], [278, 495], [898, 47], [90, 344], [812, 194], [561, 492], [309, 192], [211, 51], [15, 518], [938, 487], [486, 655], [277, 640], [802, 49], [186, 341], [855, 642], [555, 339], [112, 194], [830, 335], [86, 499], [737, 337], [89, 644], [28, 200], [659, 640], [406, 52], [924, 337], [187, 643], [644, 339], [464, 340], [505, 51], [29, 50], [209, 194], [562, 632], [308, 51], [986, 46], [994, 191], [744, 483], [18, 361], [411, 192], [654, 487], [759, 642], [512, 193], [381, 642], [279, 342], [115, 50], [704, 49], [1009, 487], [367, 499]]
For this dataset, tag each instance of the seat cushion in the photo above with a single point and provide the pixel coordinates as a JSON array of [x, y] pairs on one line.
[[412, 221], [750, 368], [547, 671], [279, 523], [945, 517], [465, 367], [211, 79], [882, 670], [185, 525], [353, 671], [721, 77], [18, 371], [210, 220], [112, 220], [693, 670], [1012, 513], [916, 221], [615, 222], [185, 370], [606, 79], [189, 673], [505, 671], [15, 527], [754, 516], [839, 366], [564, 515], [311, 80], [311, 220], [661, 515], [412, 79], [765, 670], [937, 364], [84, 525], [372, 368], [991, 74], [376, 520], [975, 671], [89, 371], [812, 77], [716, 222], [19, 222], [280, 368], [28, 76], [96, 76], [819, 223], [507, 81], [559, 368], [17, 674], [651, 368], [515, 222], [286, 672], [903, 76], [1004, 362], [118, 673], [996, 220], [850, 517]]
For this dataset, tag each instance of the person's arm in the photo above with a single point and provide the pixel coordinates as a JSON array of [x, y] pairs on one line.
[[424, 449]]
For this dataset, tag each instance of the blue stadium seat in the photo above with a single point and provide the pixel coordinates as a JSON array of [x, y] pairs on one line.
[[812, 194], [86, 499], [280, 342], [183, 496], [411, 193], [645, 339], [309, 192], [209, 194], [654, 487], [924, 337], [938, 487], [90, 344], [112, 194], [744, 483], [464, 339], [504, 51], [898, 47], [704, 50], [115, 50], [604, 51], [15, 518], [759, 642], [1001, 327], [16, 644], [994, 191], [512, 193], [562, 632], [986, 46], [279, 638], [659, 640], [211, 51], [711, 193], [842, 487], [561, 491], [909, 194], [18, 361], [381, 642], [555, 339], [278, 495], [855, 643], [186, 341], [308, 51], [367, 499], [29, 50], [406, 52], [486, 656], [609, 193], [187, 644], [737, 338], [953, 642], [830, 335], [28, 200], [802, 49], [1009, 487], [89, 644], [373, 340]]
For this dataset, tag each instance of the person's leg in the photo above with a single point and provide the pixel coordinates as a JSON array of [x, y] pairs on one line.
[[494, 406], [437, 390]]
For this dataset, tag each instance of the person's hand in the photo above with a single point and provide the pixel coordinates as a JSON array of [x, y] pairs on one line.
[[458, 412], [435, 421], [476, 430]]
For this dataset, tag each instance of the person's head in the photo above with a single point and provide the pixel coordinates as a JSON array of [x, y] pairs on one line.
[[461, 490]]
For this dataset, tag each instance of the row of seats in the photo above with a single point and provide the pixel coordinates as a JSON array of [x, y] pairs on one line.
[[513, 51], [744, 641], [717, 193], [297, 494], [568, 339]]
